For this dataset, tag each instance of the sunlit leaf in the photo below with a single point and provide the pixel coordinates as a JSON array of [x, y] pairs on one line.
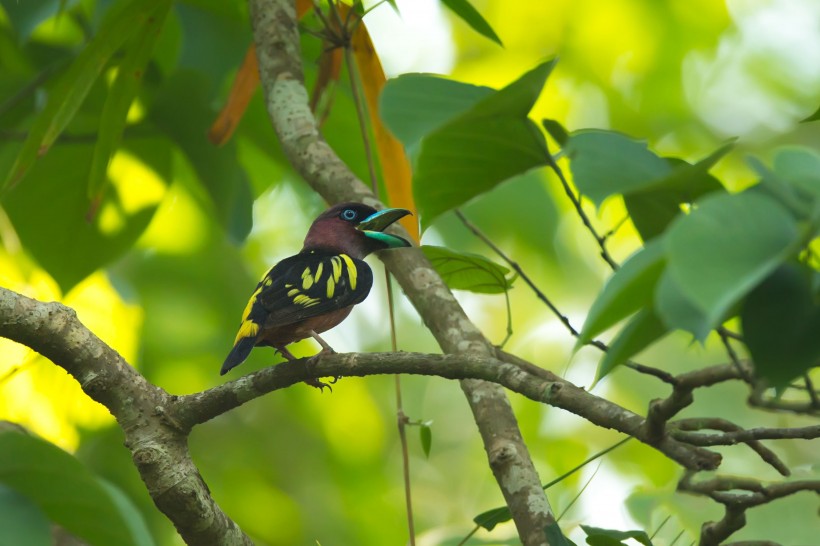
[[640, 332], [181, 110], [73, 247], [465, 271], [609, 537], [73, 86], [121, 94], [727, 245], [62, 488], [629, 289], [801, 168], [472, 17], [605, 163], [781, 321], [486, 145]]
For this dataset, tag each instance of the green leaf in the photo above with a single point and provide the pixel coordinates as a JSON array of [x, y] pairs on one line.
[[653, 209], [555, 537], [678, 312], [73, 247], [489, 519], [414, 105], [727, 245], [628, 290], [472, 17], [781, 321], [641, 331], [800, 202], [813, 117], [130, 513], [426, 437], [486, 145], [21, 521], [26, 15], [557, 131], [181, 110], [609, 537], [76, 82], [62, 488], [800, 167], [605, 163], [465, 271], [122, 93]]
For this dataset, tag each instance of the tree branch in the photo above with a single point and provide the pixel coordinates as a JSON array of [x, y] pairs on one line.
[[157, 442], [277, 45]]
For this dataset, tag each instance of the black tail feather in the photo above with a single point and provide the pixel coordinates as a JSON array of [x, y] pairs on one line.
[[238, 354]]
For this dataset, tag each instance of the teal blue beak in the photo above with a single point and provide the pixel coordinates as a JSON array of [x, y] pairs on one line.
[[376, 223]]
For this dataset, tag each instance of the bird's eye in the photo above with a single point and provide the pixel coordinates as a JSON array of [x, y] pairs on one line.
[[349, 215]]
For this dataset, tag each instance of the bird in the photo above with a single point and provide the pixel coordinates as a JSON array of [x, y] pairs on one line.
[[313, 291]]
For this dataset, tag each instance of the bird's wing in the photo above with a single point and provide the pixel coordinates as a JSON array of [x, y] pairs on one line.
[[308, 285]]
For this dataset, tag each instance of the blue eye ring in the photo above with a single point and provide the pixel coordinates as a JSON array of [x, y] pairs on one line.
[[348, 214]]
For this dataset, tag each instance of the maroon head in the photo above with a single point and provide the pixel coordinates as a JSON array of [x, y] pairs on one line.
[[354, 229]]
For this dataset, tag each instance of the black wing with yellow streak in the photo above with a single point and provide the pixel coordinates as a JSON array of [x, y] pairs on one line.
[[303, 286]]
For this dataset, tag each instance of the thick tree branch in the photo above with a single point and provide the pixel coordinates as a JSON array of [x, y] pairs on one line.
[[277, 45], [157, 443]]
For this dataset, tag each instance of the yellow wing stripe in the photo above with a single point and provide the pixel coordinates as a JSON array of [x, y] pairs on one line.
[[331, 287], [246, 329], [352, 272], [318, 274], [305, 301], [249, 306], [337, 268]]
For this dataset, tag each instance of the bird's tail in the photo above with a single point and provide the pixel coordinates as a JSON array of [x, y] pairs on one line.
[[245, 341]]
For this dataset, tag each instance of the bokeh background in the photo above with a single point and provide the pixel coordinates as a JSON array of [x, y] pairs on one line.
[[304, 467]]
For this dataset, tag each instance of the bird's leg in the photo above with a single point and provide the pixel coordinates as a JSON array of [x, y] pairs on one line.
[[312, 382], [326, 349]]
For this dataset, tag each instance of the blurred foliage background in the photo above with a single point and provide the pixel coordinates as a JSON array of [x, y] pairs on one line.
[[162, 269]]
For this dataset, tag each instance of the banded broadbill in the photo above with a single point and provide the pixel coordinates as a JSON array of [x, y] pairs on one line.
[[314, 290]]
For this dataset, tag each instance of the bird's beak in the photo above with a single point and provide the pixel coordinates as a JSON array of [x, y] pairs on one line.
[[376, 223]]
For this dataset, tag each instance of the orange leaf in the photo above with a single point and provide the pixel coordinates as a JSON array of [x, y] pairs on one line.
[[330, 65], [398, 177], [244, 86], [242, 90]]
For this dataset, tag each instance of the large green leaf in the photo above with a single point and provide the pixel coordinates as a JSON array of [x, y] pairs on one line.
[[801, 168], [472, 17], [414, 105], [73, 87], [640, 332], [727, 245], [605, 163], [21, 521], [26, 15], [465, 271], [781, 322], [677, 312], [628, 290], [62, 488], [491, 142], [121, 94], [181, 110], [69, 246], [653, 209]]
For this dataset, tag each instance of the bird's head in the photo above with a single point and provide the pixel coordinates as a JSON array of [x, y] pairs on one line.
[[354, 229]]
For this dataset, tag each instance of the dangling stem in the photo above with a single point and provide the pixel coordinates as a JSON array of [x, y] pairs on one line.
[[401, 418]]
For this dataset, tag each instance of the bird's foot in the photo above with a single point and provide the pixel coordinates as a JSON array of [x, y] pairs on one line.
[[315, 382]]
